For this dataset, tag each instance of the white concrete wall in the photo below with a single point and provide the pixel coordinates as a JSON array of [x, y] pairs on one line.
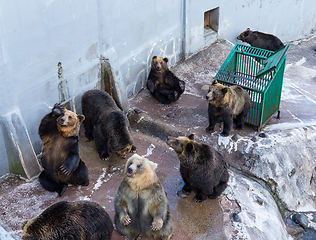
[[36, 35], [288, 19]]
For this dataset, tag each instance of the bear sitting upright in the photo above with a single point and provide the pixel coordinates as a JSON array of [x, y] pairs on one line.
[[69, 221], [106, 124], [141, 205], [162, 83], [202, 168], [60, 159], [261, 40], [227, 105]]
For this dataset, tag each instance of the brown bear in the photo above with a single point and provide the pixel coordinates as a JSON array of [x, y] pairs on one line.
[[68, 221], [141, 205], [162, 83], [227, 105], [60, 159], [106, 124], [202, 168], [261, 40]]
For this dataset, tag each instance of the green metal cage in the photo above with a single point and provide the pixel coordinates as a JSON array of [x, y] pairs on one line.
[[260, 72]]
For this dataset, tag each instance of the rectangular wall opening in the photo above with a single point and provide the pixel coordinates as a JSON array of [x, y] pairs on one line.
[[211, 19]]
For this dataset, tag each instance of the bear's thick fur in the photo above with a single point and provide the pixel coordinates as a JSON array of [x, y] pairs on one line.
[[162, 83], [106, 124], [261, 40], [60, 159], [202, 168], [69, 220], [227, 105], [141, 205]]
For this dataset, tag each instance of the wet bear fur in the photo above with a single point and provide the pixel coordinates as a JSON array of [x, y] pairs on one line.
[[141, 205], [261, 40], [228, 105], [106, 124], [202, 168], [69, 221], [60, 159], [162, 83]]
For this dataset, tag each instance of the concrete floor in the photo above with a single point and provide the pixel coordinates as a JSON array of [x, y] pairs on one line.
[[24, 199]]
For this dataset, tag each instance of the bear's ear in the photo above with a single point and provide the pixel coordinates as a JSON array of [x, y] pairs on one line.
[[191, 136], [165, 59], [153, 165], [154, 57], [24, 223], [224, 90], [27, 236], [214, 82], [81, 118], [189, 147]]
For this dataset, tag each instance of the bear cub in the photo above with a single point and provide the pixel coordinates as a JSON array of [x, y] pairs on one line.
[[261, 40], [141, 205], [69, 220], [162, 83], [228, 105], [106, 124], [202, 168], [60, 159]]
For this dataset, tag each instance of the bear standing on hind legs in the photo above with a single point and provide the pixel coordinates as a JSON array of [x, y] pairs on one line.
[[162, 83], [202, 168], [60, 159], [228, 105], [141, 205]]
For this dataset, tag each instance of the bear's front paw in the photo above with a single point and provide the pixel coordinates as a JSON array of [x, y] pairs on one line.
[[209, 129], [126, 219], [133, 149], [157, 224], [181, 193], [58, 109], [199, 198], [65, 169], [104, 156], [225, 133]]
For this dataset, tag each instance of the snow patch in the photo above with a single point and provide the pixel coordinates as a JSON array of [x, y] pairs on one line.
[[149, 150]]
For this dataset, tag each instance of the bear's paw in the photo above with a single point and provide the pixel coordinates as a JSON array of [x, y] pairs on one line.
[[157, 224], [126, 219]]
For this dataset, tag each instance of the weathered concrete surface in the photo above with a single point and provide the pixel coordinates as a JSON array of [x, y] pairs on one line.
[[245, 210]]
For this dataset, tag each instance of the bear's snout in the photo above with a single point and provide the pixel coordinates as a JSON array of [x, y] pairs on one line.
[[129, 172], [62, 121], [207, 97], [158, 68]]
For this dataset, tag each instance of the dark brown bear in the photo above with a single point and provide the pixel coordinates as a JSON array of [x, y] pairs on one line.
[[228, 105], [202, 168], [141, 205], [106, 124], [162, 83], [60, 157], [261, 40], [82, 220]]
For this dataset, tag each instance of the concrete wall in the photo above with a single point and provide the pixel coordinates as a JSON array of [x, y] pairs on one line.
[[288, 19], [51, 50]]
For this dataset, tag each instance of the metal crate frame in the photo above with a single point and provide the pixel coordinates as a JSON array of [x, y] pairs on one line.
[[241, 67]]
